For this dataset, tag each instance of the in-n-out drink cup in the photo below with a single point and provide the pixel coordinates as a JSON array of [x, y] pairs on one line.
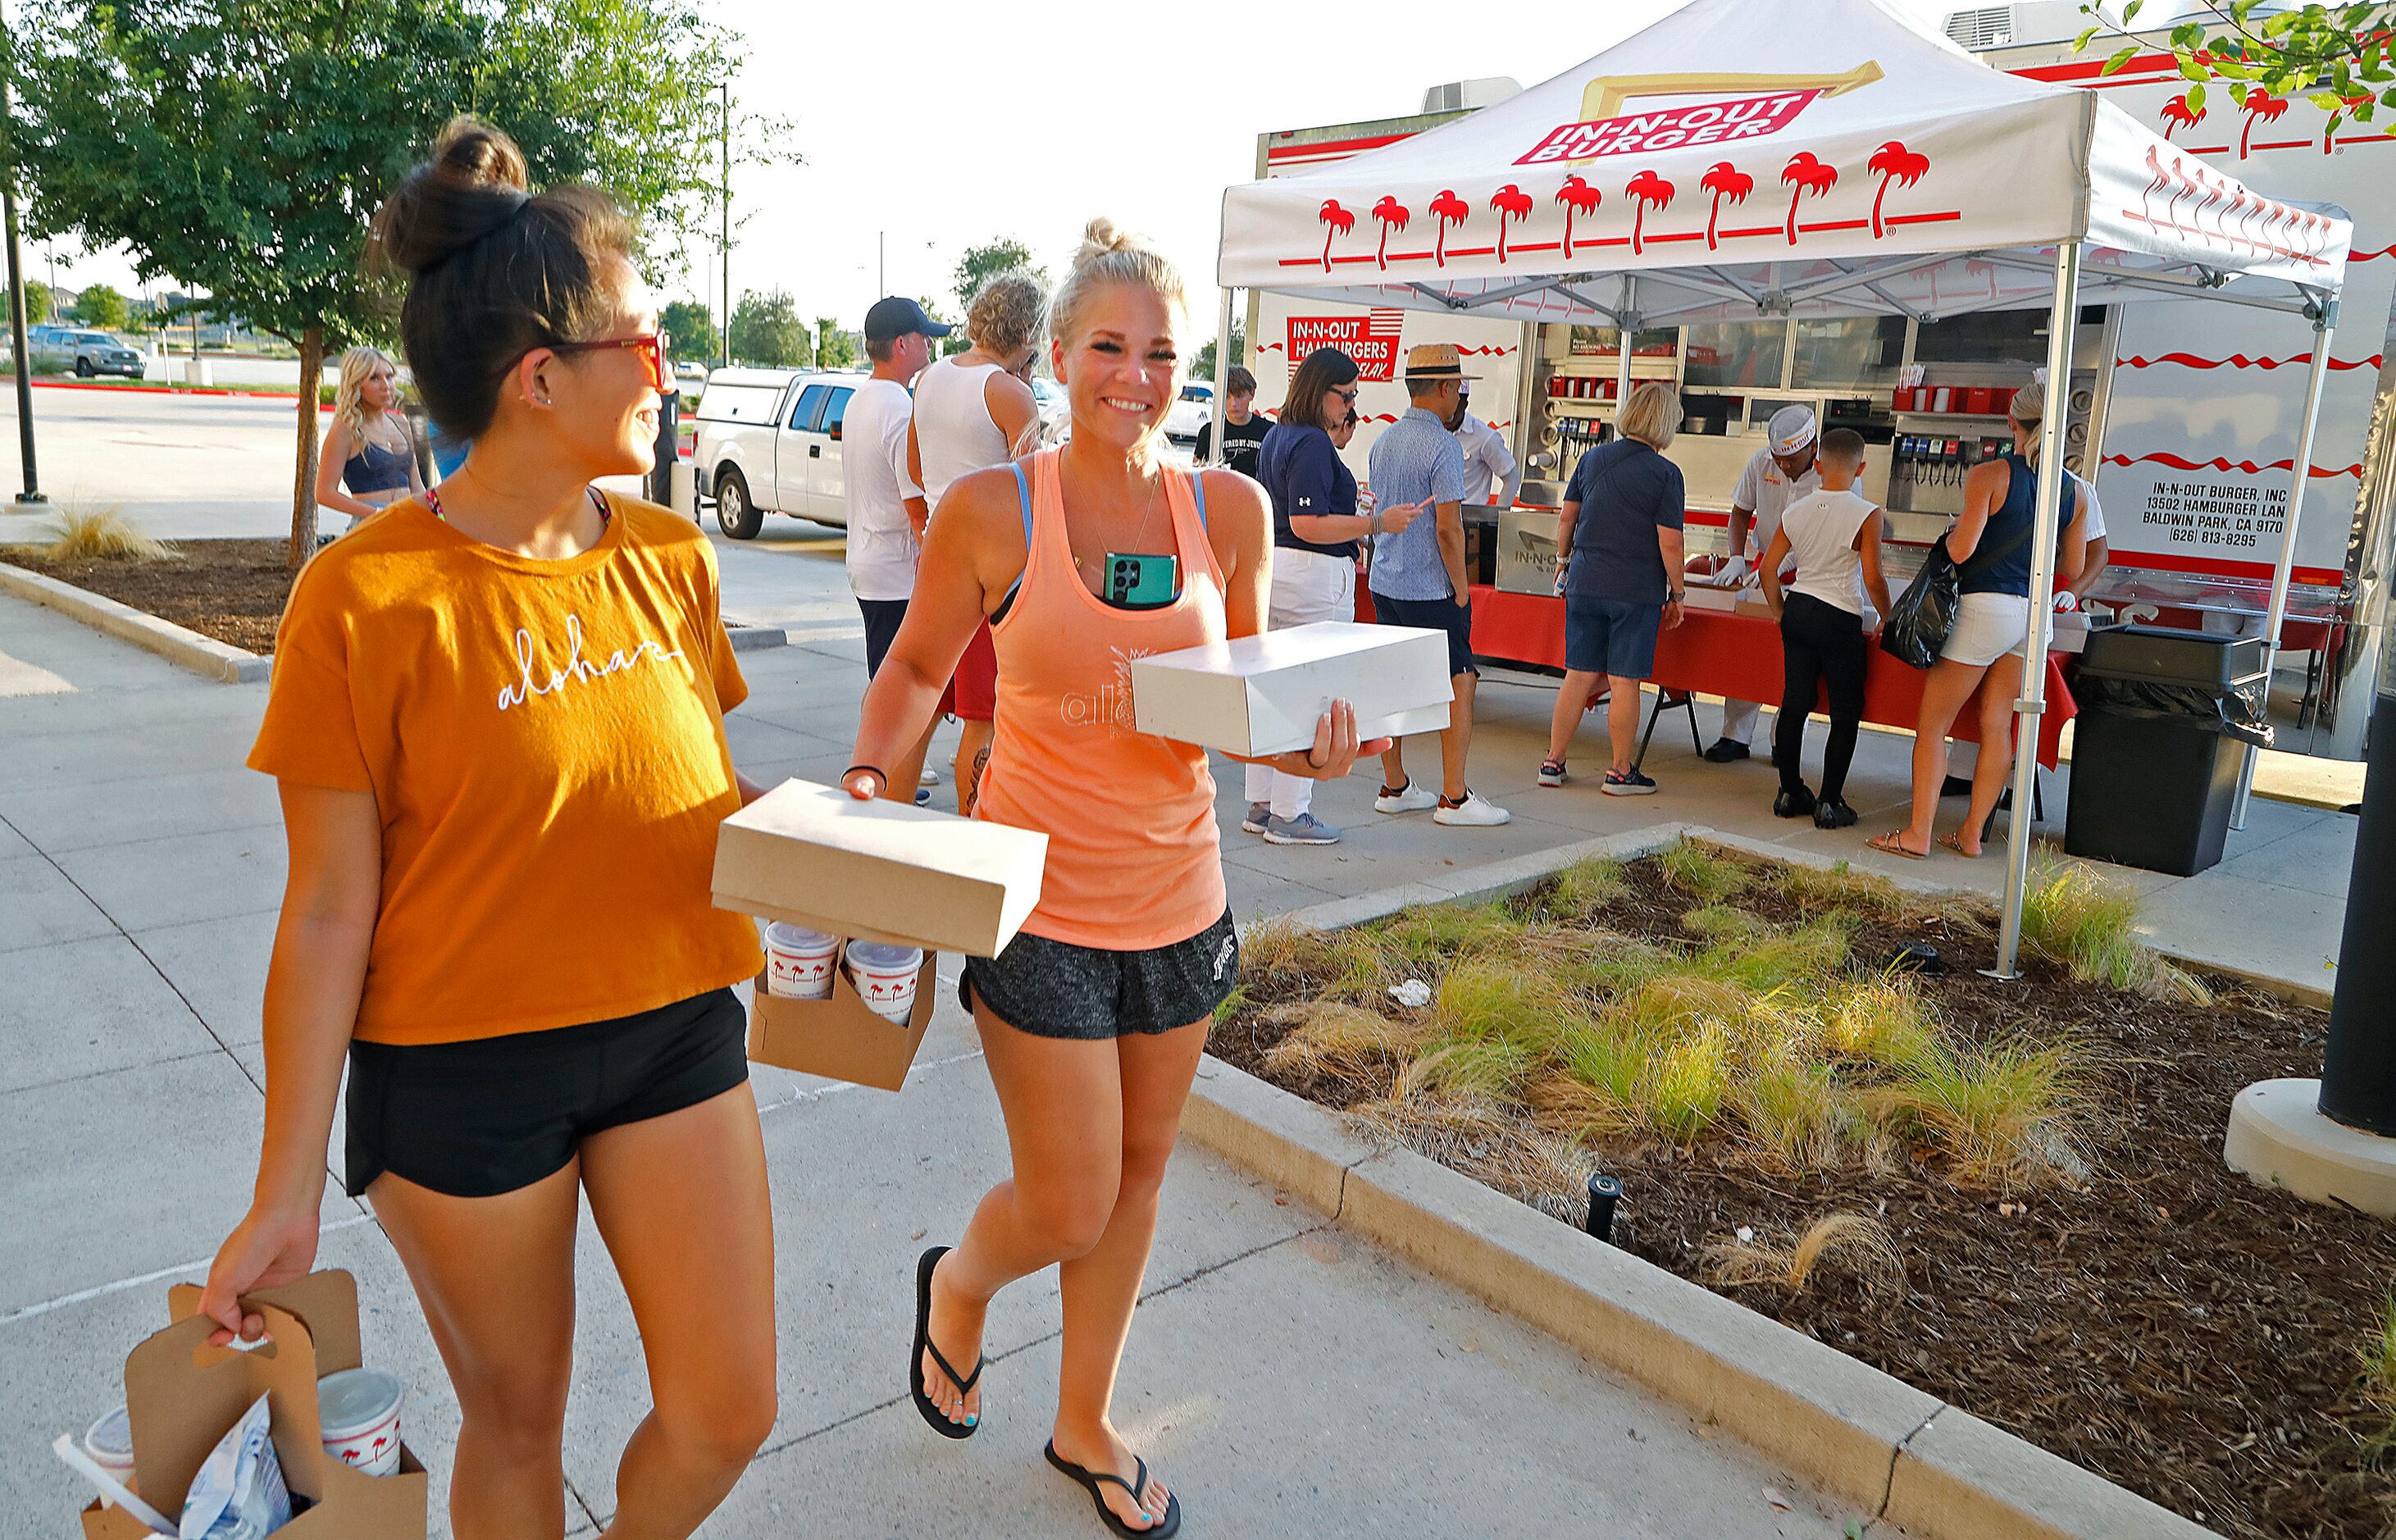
[[109, 1441], [799, 961], [885, 977], [357, 1416]]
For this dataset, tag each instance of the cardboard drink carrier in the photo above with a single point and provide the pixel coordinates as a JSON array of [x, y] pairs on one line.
[[880, 870], [1264, 693], [182, 1395]]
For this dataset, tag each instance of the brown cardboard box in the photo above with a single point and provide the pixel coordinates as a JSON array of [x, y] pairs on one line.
[[878, 871], [182, 1395], [842, 1038]]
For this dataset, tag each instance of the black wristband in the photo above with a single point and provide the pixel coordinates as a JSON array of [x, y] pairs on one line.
[[874, 770]]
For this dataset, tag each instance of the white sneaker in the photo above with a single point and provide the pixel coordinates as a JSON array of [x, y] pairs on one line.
[[930, 777], [1413, 798], [1474, 812]]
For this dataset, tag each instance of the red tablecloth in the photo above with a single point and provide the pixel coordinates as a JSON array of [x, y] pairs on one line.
[[1733, 656]]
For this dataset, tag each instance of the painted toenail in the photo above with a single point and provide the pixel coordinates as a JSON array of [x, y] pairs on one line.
[[971, 1418]]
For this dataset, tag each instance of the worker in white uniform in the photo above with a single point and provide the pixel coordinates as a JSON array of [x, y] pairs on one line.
[[1488, 464], [1777, 475]]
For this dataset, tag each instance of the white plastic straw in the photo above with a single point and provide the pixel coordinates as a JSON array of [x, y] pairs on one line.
[[110, 1487]]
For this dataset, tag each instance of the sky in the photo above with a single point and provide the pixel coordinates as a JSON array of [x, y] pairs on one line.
[[931, 126]]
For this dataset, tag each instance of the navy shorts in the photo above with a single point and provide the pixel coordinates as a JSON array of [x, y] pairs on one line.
[[1057, 990], [881, 619], [1611, 636], [490, 1115], [1439, 615]]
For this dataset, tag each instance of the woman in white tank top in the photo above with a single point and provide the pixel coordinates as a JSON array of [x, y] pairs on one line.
[[971, 413]]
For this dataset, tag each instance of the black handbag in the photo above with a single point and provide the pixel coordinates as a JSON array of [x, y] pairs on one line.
[[1918, 622]]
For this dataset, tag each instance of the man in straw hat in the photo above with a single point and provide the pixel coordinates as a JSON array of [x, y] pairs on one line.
[[1777, 475], [1419, 578]]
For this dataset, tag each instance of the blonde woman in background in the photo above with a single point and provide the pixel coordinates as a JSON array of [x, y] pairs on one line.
[[973, 411], [368, 448]]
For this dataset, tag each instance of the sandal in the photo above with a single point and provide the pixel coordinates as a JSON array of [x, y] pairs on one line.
[[1888, 844], [1163, 1529], [1953, 840], [965, 1383]]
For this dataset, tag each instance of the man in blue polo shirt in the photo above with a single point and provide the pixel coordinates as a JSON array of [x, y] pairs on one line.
[[1419, 579]]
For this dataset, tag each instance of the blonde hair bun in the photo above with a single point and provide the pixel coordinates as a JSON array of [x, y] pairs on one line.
[[1109, 254], [1101, 237]]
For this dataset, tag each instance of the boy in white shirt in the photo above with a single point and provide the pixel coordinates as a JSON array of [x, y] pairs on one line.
[[1834, 535]]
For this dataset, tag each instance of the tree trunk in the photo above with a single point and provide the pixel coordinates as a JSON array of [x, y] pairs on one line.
[[303, 491]]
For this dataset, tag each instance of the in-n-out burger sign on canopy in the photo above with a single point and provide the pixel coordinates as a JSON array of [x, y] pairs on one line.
[[1371, 339], [1772, 103]]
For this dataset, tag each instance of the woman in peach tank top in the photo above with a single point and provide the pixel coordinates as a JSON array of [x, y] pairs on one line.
[[1094, 1017]]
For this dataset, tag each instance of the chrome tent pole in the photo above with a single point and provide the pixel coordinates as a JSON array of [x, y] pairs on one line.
[[1222, 371], [2299, 476], [2063, 322]]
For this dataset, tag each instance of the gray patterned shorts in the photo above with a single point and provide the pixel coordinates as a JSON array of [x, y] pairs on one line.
[[1057, 990]]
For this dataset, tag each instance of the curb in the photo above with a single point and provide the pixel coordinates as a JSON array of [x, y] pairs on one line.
[[292, 396], [202, 654], [1861, 1435], [755, 638]]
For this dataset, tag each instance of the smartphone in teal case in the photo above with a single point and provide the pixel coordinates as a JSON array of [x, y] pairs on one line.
[[1136, 581]]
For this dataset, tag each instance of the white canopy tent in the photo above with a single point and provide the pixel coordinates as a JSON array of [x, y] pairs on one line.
[[1839, 162]]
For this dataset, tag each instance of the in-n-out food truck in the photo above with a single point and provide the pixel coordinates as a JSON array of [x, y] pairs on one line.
[[2185, 412]]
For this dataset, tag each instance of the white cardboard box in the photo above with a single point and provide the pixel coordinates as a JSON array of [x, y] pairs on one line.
[[878, 871], [1263, 693]]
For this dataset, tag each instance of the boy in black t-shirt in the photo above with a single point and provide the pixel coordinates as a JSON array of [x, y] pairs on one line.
[[1243, 430]]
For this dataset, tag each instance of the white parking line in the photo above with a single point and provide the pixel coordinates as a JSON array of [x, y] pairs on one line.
[[46, 1306]]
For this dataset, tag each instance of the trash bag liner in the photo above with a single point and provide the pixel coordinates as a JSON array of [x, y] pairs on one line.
[[2236, 712]]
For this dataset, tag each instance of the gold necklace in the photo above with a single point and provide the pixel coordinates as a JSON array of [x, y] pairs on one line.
[[1146, 518]]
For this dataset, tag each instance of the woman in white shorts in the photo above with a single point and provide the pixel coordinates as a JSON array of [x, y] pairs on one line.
[[1991, 546]]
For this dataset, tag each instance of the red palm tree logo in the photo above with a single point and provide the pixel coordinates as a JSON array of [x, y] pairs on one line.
[[1336, 221], [1893, 163], [1578, 198], [1449, 209], [1804, 174], [2156, 179], [1724, 180], [1648, 188], [1510, 203], [2258, 108], [2176, 114], [1392, 215]]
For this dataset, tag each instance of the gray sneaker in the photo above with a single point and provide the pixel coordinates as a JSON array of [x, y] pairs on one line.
[[1259, 813], [1306, 828]]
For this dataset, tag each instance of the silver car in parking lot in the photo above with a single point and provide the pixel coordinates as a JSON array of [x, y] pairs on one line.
[[90, 353]]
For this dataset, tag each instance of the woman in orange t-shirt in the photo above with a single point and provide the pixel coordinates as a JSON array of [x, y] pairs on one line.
[[1094, 1016], [497, 720]]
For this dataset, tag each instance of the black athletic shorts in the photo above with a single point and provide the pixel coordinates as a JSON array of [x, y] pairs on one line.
[[1057, 990], [474, 1120], [882, 617], [1440, 614]]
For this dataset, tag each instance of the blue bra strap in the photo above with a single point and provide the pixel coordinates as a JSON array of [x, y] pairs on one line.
[[1023, 497], [1198, 490]]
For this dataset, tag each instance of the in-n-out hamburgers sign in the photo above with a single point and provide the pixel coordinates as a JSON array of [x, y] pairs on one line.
[[1770, 104]]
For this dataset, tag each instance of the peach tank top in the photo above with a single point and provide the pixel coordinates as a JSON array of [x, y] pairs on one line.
[[1134, 858]]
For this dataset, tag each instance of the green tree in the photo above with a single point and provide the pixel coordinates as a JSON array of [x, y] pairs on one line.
[[767, 331], [100, 306], [2340, 58], [834, 348], [690, 332], [37, 301], [1203, 366], [239, 147], [979, 262]]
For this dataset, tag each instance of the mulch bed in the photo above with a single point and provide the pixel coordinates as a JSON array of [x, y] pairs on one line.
[[230, 590], [2170, 1326]]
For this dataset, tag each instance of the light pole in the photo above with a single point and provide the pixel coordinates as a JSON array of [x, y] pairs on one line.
[[724, 241], [33, 491]]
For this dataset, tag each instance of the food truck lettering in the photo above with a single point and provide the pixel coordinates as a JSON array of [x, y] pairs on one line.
[[1723, 121], [1371, 340], [2215, 515]]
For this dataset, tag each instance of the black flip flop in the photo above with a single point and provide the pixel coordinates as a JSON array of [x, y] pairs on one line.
[[965, 1383], [1164, 1529]]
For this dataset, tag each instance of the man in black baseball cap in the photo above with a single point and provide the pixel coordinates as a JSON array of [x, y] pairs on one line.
[[896, 317]]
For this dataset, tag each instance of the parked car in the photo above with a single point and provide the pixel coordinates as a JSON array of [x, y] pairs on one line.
[[91, 353], [768, 442], [1056, 411], [1193, 411]]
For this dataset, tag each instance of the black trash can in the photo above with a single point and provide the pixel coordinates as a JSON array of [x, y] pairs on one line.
[[2164, 720]]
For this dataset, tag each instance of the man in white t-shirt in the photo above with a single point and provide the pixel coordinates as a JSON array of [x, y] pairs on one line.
[[1488, 464], [885, 526], [1775, 476]]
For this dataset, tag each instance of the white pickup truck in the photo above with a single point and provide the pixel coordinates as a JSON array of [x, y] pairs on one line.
[[768, 442]]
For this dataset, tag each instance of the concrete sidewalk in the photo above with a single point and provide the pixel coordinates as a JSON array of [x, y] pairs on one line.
[[1284, 1378]]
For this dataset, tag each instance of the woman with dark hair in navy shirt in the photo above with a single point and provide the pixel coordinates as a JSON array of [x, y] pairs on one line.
[[1315, 530]]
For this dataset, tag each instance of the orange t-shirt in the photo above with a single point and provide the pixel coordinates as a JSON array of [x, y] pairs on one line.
[[544, 741]]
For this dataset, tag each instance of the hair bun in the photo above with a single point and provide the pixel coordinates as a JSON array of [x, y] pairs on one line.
[[1103, 237], [473, 182]]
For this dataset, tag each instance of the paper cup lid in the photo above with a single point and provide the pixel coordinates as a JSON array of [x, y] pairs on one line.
[[882, 957], [799, 937], [113, 1434], [355, 1400]]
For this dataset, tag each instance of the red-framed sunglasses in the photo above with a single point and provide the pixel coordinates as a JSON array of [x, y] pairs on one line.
[[649, 348]]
